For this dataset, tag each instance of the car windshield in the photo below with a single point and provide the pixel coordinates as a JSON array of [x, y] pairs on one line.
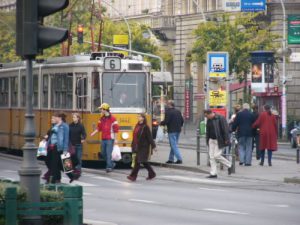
[[124, 90]]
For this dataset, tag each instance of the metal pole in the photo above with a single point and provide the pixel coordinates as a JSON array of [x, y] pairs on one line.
[[29, 171], [297, 155], [283, 97], [198, 147], [125, 20]]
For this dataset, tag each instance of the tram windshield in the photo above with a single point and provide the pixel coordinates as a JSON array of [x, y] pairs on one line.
[[124, 90]]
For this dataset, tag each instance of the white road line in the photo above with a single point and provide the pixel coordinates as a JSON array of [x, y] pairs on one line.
[[98, 222], [76, 182], [196, 180], [225, 211], [281, 206], [10, 171], [142, 201], [115, 181], [87, 194], [211, 189]]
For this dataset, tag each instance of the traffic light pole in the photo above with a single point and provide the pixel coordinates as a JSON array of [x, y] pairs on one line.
[[30, 171]]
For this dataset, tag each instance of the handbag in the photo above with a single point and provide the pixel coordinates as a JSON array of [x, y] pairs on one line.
[[160, 134], [116, 153], [67, 162], [42, 149]]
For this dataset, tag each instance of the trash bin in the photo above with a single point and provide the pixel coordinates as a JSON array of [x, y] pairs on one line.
[[202, 127]]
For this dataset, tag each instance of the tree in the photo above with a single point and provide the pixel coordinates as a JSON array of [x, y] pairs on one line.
[[239, 36]]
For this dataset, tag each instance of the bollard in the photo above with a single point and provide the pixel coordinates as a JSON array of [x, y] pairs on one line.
[[198, 147], [297, 157]]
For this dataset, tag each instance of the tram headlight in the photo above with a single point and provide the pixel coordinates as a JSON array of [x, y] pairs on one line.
[[125, 135]]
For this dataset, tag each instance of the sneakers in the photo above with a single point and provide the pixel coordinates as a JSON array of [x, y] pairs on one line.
[[169, 162], [178, 162], [109, 170]]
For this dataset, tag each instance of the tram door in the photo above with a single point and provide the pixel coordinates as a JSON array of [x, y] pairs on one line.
[[81, 92]]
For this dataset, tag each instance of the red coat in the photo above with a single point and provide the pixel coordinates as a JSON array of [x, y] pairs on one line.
[[267, 125]]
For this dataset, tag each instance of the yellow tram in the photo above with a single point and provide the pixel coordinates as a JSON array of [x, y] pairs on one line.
[[76, 84]]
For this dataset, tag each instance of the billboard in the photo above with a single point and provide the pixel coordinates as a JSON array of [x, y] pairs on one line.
[[217, 98], [232, 5]]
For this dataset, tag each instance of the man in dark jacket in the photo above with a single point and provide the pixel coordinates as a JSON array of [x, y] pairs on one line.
[[174, 121], [243, 124], [217, 137]]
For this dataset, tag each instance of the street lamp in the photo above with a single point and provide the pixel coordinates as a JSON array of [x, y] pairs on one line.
[[125, 20], [284, 50]]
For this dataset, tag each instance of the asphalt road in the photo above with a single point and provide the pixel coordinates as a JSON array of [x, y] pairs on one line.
[[179, 198]]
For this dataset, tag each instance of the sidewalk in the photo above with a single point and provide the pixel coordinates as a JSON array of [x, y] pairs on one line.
[[282, 170]]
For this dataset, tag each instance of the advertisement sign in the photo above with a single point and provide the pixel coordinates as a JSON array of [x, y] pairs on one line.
[[253, 5], [217, 64], [294, 29], [217, 98], [220, 111], [256, 73], [187, 99], [232, 5]]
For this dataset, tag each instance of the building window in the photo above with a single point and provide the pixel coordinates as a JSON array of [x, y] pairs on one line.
[[45, 90], [62, 91], [4, 92], [14, 91]]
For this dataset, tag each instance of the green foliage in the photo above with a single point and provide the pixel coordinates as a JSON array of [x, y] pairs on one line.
[[247, 32], [79, 12]]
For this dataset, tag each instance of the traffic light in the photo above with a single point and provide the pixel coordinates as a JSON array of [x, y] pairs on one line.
[[32, 36], [80, 33]]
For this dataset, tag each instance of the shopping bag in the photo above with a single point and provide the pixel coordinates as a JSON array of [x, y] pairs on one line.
[[67, 162], [42, 149], [160, 134], [116, 153]]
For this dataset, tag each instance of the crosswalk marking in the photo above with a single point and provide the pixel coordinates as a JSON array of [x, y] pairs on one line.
[[76, 182], [98, 222], [225, 211], [196, 180], [142, 201]]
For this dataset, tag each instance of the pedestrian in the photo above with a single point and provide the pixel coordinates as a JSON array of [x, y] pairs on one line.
[[58, 144], [217, 137], [46, 175], [77, 138], [267, 125], [141, 143], [174, 121], [243, 124], [109, 128], [255, 133]]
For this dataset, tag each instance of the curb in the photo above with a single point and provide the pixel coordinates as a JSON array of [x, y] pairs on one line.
[[293, 180]]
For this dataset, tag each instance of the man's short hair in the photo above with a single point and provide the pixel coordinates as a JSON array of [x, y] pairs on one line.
[[246, 106], [171, 103], [207, 111]]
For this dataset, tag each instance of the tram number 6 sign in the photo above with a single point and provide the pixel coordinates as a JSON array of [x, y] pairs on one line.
[[112, 63]]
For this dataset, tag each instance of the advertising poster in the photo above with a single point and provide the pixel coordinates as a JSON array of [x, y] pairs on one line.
[[217, 98], [294, 29], [256, 73]]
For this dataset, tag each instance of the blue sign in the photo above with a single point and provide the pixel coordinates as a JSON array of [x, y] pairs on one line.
[[253, 5], [217, 64]]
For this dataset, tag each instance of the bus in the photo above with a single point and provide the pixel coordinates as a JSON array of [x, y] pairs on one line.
[[79, 84]]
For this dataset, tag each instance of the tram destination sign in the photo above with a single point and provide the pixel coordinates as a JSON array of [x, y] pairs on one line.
[[112, 63]]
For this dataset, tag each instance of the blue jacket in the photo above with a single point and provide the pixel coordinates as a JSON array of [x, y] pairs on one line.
[[243, 123], [62, 138]]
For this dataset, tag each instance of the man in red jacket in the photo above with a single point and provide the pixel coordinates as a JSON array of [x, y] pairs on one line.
[[108, 126]]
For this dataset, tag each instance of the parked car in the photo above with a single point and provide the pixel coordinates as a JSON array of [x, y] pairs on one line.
[[295, 134]]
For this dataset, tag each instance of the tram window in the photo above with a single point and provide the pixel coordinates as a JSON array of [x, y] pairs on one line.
[[14, 91], [61, 91], [45, 90], [81, 92], [35, 90], [23, 91], [95, 90], [4, 92], [124, 90]]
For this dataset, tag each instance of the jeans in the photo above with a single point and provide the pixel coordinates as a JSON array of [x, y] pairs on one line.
[[173, 140], [78, 150], [245, 150], [106, 150], [262, 156]]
